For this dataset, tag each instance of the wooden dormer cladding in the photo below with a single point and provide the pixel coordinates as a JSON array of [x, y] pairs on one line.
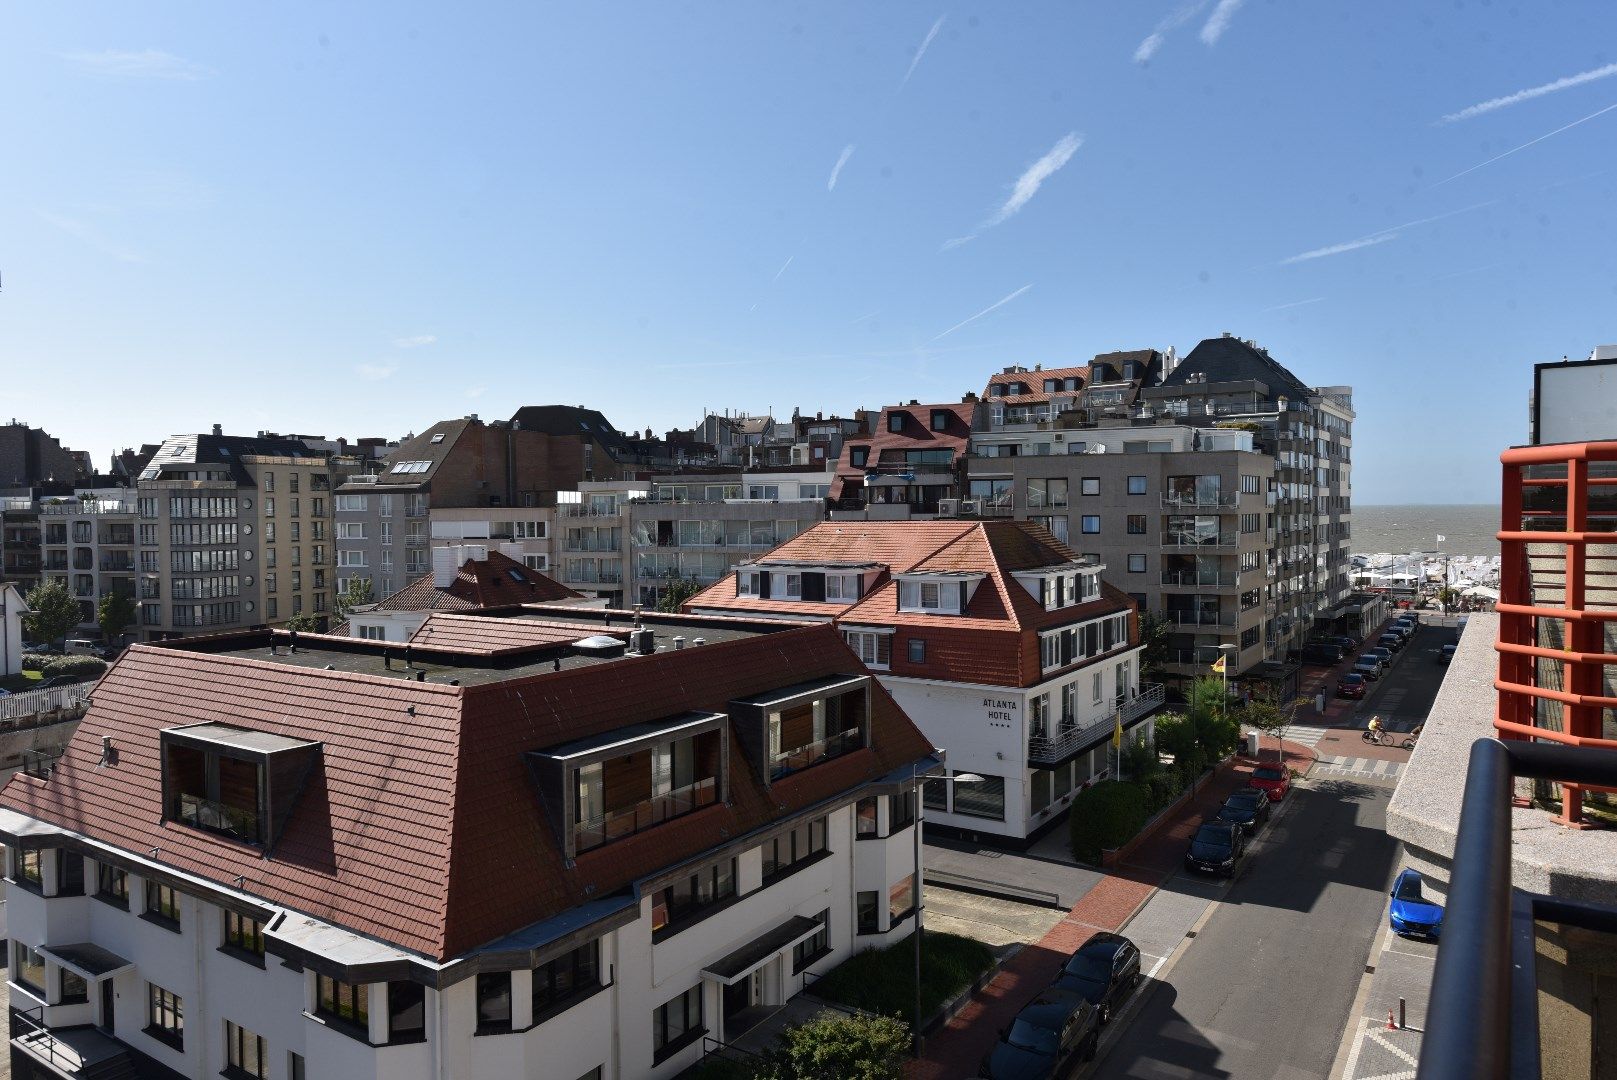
[[786, 730], [233, 781]]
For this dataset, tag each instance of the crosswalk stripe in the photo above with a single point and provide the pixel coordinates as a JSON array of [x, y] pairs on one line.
[[1379, 768]]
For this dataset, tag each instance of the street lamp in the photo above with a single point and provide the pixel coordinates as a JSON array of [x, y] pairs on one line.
[[915, 886]]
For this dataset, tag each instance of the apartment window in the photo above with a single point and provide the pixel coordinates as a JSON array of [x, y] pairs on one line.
[[1249, 485], [75, 991], [794, 850], [895, 422], [566, 979], [493, 1002], [27, 867], [69, 874], [867, 908], [1136, 524], [346, 1004], [269, 481], [271, 608], [30, 966], [692, 897], [406, 1012], [244, 1053], [1136, 564], [917, 650], [985, 798], [1136, 485], [901, 900], [356, 503], [858, 456], [805, 953], [1249, 637], [244, 935], [162, 906], [1089, 523], [676, 1024], [1251, 523], [1089, 485], [112, 885], [900, 812], [165, 1016], [269, 509], [864, 817], [940, 419], [872, 648], [840, 587]]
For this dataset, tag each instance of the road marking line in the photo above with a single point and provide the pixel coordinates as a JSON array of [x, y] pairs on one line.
[[1403, 1055]]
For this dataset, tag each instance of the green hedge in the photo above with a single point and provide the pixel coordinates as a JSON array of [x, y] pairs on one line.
[[83, 668], [35, 662], [1107, 815], [882, 981]]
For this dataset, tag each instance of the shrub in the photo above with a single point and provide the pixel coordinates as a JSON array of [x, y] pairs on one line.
[[35, 662], [838, 1047], [1162, 789], [1107, 815], [79, 667], [882, 981]]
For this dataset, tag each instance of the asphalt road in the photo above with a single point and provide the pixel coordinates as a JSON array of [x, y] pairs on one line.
[[1265, 989], [1405, 694]]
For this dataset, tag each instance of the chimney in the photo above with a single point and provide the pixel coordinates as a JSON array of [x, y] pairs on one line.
[[445, 561], [218, 429]]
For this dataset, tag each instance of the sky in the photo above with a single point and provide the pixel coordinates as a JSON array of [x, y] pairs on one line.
[[358, 219]]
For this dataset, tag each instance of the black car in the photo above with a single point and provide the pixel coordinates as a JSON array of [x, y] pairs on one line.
[[1248, 808], [1104, 971], [1216, 848], [1391, 641], [1320, 653], [1051, 1034]]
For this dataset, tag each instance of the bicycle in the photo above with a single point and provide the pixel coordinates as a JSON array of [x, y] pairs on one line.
[[1378, 738]]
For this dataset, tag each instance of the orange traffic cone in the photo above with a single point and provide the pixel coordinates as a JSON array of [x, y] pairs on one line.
[[1391, 1024]]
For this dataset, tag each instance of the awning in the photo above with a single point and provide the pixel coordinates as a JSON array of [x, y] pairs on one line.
[[86, 959], [758, 952]]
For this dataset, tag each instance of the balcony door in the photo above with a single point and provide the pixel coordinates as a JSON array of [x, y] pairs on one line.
[[108, 996]]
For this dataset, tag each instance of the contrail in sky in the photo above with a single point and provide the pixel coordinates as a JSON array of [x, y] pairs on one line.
[[1525, 145], [836, 170], [984, 311], [1530, 93], [926, 43]]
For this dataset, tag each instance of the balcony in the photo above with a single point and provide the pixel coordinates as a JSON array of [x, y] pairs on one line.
[[1198, 579], [1070, 739], [616, 824], [599, 577], [70, 1051], [218, 817], [1201, 618], [1199, 501], [1201, 541], [801, 757]]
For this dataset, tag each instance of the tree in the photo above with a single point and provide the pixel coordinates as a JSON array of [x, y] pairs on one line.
[[1106, 815], [302, 624], [115, 612], [1154, 630], [676, 592], [833, 1046], [357, 594], [1266, 714], [1217, 731], [1176, 735], [53, 613]]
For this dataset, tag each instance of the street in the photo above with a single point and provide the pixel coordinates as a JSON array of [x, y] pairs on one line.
[[1268, 984]]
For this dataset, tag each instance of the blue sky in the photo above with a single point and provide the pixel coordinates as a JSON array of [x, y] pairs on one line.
[[356, 219]]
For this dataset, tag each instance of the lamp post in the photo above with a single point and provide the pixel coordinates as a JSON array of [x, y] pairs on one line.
[[915, 882]]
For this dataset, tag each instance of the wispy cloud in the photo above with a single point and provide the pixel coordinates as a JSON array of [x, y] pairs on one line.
[[926, 43], [476, 391], [1530, 93], [1525, 145], [1337, 249], [375, 372], [1381, 236], [415, 342], [89, 234], [1219, 20], [991, 307], [1027, 185], [1172, 21], [836, 170], [1294, 303], [138, 64], [783, 267], [956, 241]]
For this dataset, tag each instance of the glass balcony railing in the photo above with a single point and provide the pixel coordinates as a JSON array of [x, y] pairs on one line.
[[801, 757], [219, 817], [628, 820]]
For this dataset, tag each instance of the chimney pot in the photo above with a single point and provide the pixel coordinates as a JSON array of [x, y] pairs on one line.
[[218, 429]]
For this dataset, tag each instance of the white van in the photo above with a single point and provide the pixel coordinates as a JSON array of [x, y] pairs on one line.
[[81, 647]]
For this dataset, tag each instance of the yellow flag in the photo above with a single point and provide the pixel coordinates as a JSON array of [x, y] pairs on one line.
[[1218, 665], [1117, 735]]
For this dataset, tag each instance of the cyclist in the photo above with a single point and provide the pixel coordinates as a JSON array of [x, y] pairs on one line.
[[1375, 728]]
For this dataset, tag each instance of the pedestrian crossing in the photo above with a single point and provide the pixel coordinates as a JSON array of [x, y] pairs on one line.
[[1363, 768], [1307, 736]]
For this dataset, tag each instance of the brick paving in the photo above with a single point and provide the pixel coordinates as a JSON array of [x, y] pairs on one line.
[[955, 1050]]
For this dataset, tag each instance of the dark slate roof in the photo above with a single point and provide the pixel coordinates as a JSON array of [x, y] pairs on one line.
[[1229, 359], [569, 420], [221, 450]]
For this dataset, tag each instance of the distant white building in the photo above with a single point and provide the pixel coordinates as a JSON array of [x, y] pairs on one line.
[[12, 609]]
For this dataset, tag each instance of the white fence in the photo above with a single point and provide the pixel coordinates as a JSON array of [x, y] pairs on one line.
[[19, 708]]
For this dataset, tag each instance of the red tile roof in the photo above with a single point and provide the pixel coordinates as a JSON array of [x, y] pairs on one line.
[[917, 435], [994, 641], [416, 824], [473, 633], [1035, 383], [480, 583]]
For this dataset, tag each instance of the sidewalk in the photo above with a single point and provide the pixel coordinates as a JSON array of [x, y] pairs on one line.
[[1403, 968], [956, 1049]]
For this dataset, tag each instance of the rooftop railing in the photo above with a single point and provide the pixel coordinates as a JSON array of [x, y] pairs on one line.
[[628, 820], [1199, 500], [1201, 540], [813, 753], [1067, 738]]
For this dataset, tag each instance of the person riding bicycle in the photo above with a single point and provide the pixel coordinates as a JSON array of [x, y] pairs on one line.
[[1376, 728]]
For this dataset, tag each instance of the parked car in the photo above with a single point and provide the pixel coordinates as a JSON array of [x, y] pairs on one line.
[[1403, 630], [1051, 1034], [1318, 653], [1379, 653], [1247, 808], [56, 680], [1346, 644], [38, 650], [81, 647], [1216, 848], [1274, 782], [1446, 653], [1352, 685], [1410, 913], [1103, 971], [1391, 642], [1367, 668]]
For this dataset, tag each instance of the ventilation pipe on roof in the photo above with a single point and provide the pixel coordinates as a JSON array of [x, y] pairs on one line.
[[699, 642], [407, 663], [555, 665], [387, 659], [292, 645], [421, 676], [679, 643]]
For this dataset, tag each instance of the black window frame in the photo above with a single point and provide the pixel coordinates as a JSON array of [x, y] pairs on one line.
[[153, 909], [872, 924], [1138, 524], [810, 951], [895, 423], [403, 997], [663, 1047], [1086, 483], [18, 947], [1142, 485], [800, 849], [917, 650], [112, 885], [241, 942], [680, 914], [236, 1037], [69, 882], [329, 1008], [494, 995], [22, 861], [583, 968], [866, 818], [161, 1006], [80, 996], [901, 811]]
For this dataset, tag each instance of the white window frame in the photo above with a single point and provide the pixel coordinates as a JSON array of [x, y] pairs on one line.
[[352, 503]]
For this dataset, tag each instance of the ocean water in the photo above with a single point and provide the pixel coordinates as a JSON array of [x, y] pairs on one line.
[[1467, 530]]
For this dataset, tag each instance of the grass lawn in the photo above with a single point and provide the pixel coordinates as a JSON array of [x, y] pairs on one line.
[[883, 980]]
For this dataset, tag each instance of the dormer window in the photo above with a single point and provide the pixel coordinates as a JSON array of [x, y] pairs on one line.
[[786, 586], [940, 419], [746, 583], [858, 456], [797, 727], [227, 780], [931, 596], [895, 422], [841, 588], [1052, 385], [936, 593]]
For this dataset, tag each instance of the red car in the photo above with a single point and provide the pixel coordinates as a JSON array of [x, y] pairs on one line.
[[1350, 686], [1274, 782]]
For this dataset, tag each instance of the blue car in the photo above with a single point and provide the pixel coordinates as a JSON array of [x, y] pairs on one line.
[[1411, 914]]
